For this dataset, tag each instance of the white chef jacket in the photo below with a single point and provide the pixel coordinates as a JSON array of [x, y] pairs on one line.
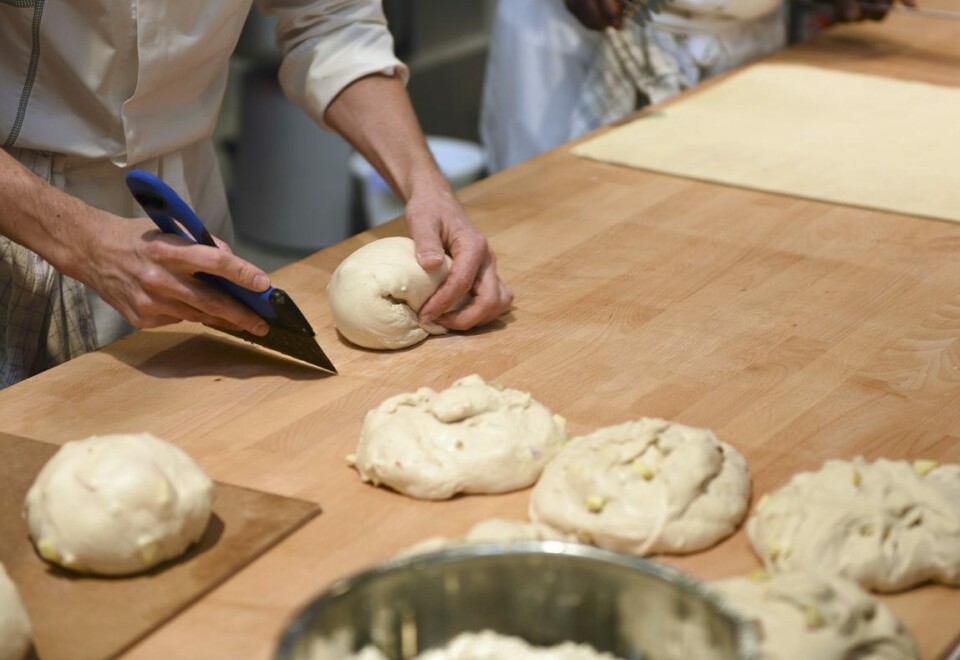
[[102, 86], [541, 60]]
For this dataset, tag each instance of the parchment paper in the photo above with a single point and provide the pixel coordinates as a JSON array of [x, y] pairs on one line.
[[846, 138]]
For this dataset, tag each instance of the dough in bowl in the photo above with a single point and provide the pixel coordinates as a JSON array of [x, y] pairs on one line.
[[801, 616], [377, 291], [117, 504], [644, 487], [888, 525], [14, 623], [469, 438]]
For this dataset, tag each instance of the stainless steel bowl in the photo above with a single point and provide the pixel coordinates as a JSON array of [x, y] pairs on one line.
[[546, 592]]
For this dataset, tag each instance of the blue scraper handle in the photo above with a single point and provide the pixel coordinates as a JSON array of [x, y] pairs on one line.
[[166, 208]]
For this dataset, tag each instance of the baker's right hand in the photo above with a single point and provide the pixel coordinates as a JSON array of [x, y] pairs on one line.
[[147, 276]]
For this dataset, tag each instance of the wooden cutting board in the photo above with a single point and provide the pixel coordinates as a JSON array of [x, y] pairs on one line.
[[77, 617]]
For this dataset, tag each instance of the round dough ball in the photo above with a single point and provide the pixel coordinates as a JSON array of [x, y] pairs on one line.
[[644, 487], [117, 504], [805, 615], [14, 623], [376, 293], [888, 525], [469, 438]]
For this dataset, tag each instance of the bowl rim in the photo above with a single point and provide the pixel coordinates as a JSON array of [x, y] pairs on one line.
[[744, 631]]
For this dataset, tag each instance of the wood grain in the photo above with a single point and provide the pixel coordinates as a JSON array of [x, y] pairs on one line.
[[797, 330]]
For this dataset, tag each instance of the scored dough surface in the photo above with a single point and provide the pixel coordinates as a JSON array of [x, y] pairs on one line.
[[15, 626], [377, 291], [804, 615], [644, 487], [469, 438], [117, 504], [888, 525]]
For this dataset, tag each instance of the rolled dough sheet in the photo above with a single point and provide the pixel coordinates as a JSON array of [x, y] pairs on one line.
[[77, 617], [846, 138]]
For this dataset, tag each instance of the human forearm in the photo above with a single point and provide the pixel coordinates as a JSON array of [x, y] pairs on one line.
[[375, 115], [39, 216]]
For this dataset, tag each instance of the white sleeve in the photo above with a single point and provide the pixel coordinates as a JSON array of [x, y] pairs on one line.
[[328, 44]]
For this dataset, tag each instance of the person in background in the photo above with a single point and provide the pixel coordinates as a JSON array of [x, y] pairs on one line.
[[92, 89], [558, 69]]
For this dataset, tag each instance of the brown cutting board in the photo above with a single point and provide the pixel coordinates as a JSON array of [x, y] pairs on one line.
[[79, 617]]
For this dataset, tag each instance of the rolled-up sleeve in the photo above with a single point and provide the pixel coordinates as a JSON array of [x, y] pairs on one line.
[[328, 44]]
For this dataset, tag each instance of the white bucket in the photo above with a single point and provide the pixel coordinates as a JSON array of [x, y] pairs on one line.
[[461, 162]]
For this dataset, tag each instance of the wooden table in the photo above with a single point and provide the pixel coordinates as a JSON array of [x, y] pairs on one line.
[[798, 331]]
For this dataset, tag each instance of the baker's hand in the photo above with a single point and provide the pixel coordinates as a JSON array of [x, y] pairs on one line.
[[859, 10], [438, 223], [147, 276], [597, 14]]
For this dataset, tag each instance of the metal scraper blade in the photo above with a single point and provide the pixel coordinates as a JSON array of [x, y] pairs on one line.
[[293, 344]]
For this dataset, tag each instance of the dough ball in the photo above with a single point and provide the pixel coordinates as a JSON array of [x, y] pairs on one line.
[[888, 525], [469, 438], [644, 487], [493, 530], [14, 623], [376, 293], [117, 504], [804, 615]]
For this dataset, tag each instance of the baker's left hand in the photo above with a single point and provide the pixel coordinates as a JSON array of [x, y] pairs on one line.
[[860, 10], [597, 14], [438, 224]]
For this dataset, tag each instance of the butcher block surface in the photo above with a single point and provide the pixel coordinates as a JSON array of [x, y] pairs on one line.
[[797, 330]]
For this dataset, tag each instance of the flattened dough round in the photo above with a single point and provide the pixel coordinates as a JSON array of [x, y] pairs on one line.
[[804, 615], [493, 530], [469, 438], [14, 623], [888, 525], [117, 504], [644, 487], [377, 291]]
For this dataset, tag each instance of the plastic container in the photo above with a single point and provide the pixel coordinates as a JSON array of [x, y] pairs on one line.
[[292, 185], [462, 162]]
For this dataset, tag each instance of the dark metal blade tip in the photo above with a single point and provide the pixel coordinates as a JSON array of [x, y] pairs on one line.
[[289, 343]]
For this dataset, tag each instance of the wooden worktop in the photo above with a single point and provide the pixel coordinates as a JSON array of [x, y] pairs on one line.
[[799, 331]]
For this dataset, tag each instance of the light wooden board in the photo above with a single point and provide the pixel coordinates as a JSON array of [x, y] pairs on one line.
[[78, 617], [848, 138], [799, 331]]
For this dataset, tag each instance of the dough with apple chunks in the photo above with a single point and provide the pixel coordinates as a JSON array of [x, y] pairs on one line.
[[117, 504], [376, 293], [888, 525], [645, 487], [472, 437], [15, 626], [804, 615]]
